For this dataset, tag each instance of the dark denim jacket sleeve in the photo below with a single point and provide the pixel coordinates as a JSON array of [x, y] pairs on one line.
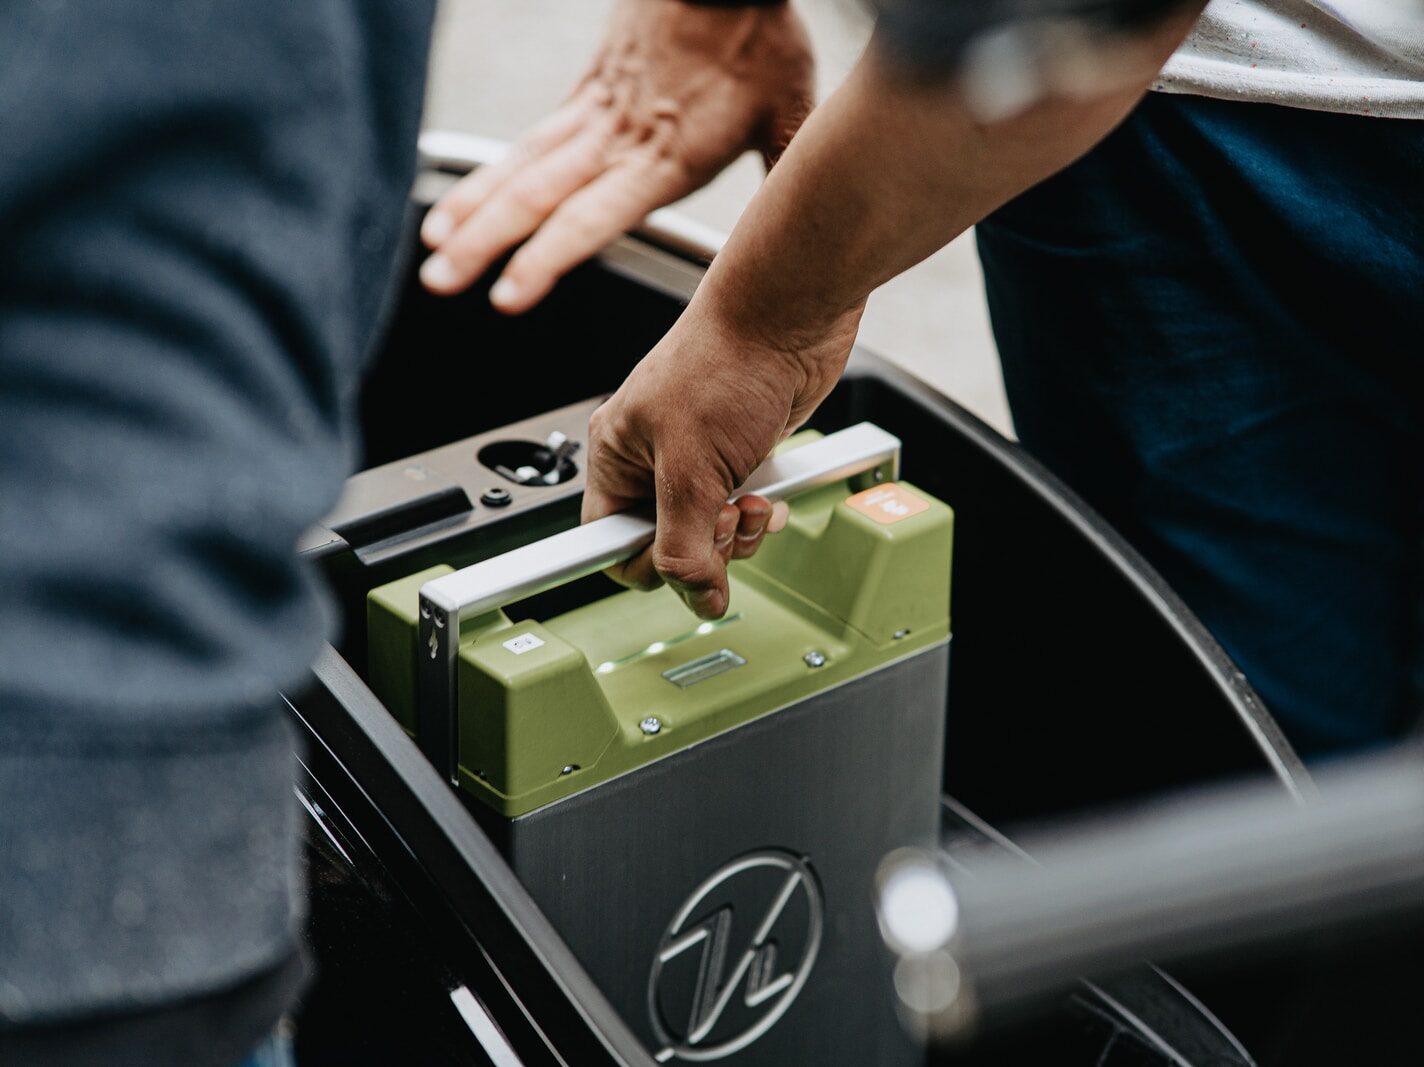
[[199, 203]]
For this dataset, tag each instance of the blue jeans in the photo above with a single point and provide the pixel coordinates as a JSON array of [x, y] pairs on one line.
[[274, 1051], [1212, 327]]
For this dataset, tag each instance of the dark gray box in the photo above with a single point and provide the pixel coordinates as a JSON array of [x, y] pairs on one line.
[[722, 896]]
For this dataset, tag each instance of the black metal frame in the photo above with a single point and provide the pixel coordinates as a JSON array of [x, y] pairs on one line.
[[431, 848], [422, 838], [1015, 465]]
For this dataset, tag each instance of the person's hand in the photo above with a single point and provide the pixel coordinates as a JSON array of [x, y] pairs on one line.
[[676, 93], [689, 425]]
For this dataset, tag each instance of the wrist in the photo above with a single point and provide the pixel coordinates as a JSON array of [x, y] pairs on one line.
[[811, 343], [761, 292]]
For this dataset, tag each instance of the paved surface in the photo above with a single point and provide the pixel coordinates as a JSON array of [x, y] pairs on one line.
[[500, 64]]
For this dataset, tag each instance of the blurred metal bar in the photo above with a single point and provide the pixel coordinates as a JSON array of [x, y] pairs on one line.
[[1197, 874]]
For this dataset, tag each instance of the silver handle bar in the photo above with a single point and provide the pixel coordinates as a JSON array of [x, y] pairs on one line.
[[523, 572]]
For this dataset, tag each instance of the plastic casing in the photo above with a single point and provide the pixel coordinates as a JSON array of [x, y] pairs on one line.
[[540, 725]]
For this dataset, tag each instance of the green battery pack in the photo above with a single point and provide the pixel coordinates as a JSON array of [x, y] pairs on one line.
[[554, 706], [700, 807]]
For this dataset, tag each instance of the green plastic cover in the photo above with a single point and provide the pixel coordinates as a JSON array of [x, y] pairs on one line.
[[553, 706]]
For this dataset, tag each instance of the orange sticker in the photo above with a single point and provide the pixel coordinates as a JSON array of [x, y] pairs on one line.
[[887, 503]]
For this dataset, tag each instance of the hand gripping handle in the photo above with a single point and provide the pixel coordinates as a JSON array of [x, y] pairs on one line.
[[564, 557]]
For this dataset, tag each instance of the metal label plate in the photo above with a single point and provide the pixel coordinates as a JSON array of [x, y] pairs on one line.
[[703, 668]]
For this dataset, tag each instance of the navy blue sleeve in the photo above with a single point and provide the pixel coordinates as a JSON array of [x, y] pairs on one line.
[[199, 203]]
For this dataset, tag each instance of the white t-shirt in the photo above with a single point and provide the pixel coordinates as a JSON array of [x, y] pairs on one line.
[[1363, 57]]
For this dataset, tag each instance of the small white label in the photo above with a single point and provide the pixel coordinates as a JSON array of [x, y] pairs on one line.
[[523, 643]]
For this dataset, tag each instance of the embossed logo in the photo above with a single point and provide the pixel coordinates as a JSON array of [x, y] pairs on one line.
[[735, 956]]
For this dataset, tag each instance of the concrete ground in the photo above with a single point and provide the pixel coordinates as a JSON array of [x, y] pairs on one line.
[[499, 65]]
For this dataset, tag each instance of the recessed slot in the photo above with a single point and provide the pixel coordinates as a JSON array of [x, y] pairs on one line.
[[392, 517], [703, 668], [530, 463]]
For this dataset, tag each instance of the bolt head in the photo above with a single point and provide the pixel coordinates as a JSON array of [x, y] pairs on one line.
[[814, 659], [900, 635], [651, 725]]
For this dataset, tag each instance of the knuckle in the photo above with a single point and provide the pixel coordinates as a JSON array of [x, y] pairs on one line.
[[682, 570], [598, 422], [530, 196], [606, 428], [755, 508]]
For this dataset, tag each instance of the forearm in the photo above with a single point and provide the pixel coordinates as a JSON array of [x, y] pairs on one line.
[[884, 173]]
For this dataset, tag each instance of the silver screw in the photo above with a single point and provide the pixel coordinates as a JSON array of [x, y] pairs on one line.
[[879, 475], [814, 659], [650, 725], [569, 768], [900, 635]]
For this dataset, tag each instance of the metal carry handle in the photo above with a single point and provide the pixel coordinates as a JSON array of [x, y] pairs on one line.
[[492, 583]]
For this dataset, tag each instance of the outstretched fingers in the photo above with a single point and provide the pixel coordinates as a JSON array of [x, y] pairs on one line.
[[580, 227]]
